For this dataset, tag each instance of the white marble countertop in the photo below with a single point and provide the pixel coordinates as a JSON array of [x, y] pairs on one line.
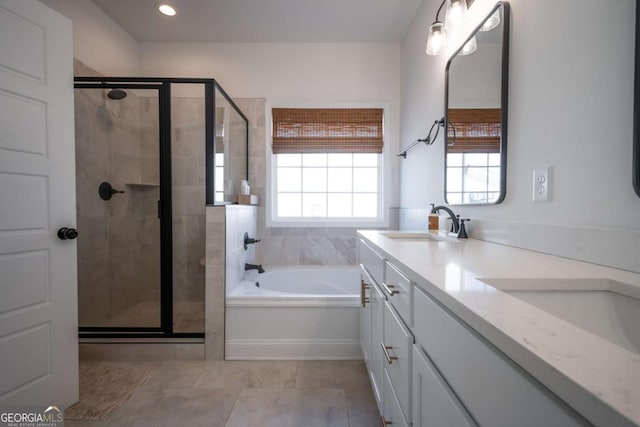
[[599, 379]]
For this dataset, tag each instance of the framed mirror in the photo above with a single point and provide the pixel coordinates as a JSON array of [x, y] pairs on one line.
[[476, 98]]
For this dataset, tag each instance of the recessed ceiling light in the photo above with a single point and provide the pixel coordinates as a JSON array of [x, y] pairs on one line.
[[166, 9]]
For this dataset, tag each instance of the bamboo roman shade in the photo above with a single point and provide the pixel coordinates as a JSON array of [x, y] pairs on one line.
[[327, 130], [474, 130]]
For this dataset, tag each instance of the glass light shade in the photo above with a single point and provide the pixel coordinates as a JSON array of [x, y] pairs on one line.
[[437, 38], [492, 22], [469, 47], [456, 14]]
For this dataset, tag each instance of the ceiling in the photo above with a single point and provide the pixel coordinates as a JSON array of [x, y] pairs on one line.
[[270, 21]]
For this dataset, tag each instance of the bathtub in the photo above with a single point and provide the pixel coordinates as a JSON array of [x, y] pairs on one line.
[[294, 313]]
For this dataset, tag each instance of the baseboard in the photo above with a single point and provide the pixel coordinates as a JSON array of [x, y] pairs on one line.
[[293, 350]]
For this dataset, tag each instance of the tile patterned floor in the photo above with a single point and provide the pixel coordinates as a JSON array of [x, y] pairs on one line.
[[249, 394]]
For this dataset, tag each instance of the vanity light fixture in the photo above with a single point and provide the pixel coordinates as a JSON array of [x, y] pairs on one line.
[[437, 37], [167, 9], [456, 15], [469, 47], [492, 22], [455, 18]]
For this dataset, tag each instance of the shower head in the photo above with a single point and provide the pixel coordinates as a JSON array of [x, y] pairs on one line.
[[116, 94]]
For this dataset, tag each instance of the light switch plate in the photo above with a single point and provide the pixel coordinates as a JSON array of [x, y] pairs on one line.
[[541, 185]]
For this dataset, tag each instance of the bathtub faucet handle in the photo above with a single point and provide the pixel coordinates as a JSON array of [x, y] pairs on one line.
[[249, 241]]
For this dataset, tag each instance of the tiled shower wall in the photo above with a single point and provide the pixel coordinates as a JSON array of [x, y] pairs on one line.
[[119, 240], [226, 257]]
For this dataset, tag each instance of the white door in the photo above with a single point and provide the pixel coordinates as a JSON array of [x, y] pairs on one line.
[[38, 295]]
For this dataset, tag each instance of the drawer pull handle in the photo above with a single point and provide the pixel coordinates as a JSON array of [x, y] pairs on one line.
[[384, 421], [385, 349], [389, 289], [363, 300]]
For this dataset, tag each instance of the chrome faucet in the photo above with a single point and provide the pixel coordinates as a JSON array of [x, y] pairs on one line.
[[455, 224], [258, 267]]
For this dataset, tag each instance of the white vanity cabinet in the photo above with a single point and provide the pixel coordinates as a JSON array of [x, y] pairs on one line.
[[429, 368], [366, 288], [396, 348], [376, 359], [434, 404], [494, 390], [371, 317], [392, 410]]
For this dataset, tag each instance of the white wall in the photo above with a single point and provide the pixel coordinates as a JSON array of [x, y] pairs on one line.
[[571, 90], [97, 40], [320, 74]]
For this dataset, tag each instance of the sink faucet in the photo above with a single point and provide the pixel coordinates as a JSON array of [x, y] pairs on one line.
[[258, 267], [455, 224]]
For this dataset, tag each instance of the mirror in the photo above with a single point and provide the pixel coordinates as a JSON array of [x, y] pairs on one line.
[[476, 95]]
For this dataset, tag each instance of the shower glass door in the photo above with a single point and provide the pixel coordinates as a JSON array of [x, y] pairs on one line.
[[118, 197]]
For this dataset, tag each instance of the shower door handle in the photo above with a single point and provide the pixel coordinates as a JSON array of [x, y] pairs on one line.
[[66, 233]]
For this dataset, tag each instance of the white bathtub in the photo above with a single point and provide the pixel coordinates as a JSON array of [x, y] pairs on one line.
[[294, 312]]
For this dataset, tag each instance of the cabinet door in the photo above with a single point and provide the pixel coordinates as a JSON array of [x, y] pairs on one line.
[[398, 342], [376, 369], [391, 411], [434, 404], [365, 317]]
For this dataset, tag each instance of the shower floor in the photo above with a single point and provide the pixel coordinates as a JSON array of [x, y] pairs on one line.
[[188, 316]]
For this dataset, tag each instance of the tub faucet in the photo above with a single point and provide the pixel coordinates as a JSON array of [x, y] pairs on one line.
[[258, 267], [455, 224]]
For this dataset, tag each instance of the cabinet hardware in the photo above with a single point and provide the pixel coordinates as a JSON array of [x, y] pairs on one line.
[[384, 421], [389, 289], [363, 299], [385, 349]]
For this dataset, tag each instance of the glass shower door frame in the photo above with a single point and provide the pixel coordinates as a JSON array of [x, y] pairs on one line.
[[163, 85], [164, 214]]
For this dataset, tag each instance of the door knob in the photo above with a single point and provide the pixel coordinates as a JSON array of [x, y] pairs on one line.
[[66, 233]]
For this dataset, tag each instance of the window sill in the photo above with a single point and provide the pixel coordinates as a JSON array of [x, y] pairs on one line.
[[315, 223]]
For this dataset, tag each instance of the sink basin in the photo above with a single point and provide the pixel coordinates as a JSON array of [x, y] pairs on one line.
[[416, 236], [606, 308]]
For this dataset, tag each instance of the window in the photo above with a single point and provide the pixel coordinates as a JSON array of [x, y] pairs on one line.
[[326, 165]]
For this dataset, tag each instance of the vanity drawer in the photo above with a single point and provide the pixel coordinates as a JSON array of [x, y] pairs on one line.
[[396, 351], [372, 261], [391, 410], [399, 291], [434, 404], [494, 390]]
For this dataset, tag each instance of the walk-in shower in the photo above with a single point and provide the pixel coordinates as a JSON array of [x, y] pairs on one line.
[[151, 153]]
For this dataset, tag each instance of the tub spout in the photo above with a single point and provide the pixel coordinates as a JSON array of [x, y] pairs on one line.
[[258, 267]]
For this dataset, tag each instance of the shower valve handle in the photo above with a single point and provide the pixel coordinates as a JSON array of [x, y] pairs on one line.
[[249, 241]]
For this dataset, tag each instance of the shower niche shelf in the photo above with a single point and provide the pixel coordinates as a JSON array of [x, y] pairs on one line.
[[142, 184]]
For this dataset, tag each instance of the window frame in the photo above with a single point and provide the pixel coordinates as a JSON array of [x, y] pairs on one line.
[[382, 217]]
